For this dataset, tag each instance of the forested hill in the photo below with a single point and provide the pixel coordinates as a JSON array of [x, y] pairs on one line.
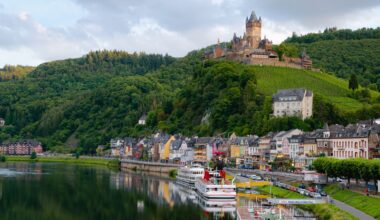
[[82, 103], [344, 52]]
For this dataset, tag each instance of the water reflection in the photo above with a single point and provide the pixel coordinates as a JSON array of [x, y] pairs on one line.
[[166, 191], [83, 192], [61, 191]]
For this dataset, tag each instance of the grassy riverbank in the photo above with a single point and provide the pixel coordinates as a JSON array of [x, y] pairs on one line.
[[322, 211], [367, 204], [81, 160]]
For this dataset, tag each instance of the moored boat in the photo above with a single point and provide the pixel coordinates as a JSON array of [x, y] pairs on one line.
[[215, 186], [187, 175]]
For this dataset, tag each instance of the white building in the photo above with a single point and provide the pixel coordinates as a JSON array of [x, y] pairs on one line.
[[293, 102], [279, 139], [142, 120], [295, 146]]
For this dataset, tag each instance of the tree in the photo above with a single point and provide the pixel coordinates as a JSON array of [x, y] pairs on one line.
[[353, 82], [33, 155]]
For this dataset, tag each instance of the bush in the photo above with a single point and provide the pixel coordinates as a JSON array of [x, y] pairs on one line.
[[173, 173], [3, 158], [33, 156]]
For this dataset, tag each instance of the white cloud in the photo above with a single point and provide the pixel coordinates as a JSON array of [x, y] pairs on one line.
[[24, 16], [59, 29]]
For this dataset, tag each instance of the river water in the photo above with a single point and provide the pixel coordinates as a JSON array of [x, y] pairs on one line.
[[63, 191]]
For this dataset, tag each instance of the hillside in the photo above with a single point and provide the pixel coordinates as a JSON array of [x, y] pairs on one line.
[[331, 88], [344, 52], [86, 101]]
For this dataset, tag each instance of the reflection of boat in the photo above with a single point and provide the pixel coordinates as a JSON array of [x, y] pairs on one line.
[[215, 187], [216, 206], [187, 175]]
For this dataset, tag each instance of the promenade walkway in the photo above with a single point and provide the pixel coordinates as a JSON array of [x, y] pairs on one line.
[[359, 214]]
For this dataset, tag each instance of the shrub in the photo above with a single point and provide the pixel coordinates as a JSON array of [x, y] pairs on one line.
[[173, 173], [33, 156]]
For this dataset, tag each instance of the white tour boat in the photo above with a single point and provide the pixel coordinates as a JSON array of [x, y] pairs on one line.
[[215, 188], [187, 175]]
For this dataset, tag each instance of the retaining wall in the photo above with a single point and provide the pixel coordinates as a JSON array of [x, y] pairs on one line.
[[147, 166]]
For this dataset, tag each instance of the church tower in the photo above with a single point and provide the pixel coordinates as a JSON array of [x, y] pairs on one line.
[[253, 30]]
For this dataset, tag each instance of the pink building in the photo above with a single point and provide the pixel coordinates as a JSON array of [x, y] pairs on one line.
[[350, 147], [25, 147]]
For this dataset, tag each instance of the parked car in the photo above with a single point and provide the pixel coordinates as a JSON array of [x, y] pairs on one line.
[[316, 195], [254, 177], [311, 189], [301, 191], [323, 193]]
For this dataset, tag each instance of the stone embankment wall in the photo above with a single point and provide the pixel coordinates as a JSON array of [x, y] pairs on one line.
[[147, 166]]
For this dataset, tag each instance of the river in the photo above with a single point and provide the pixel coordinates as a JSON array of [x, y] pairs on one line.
[[63, 191]]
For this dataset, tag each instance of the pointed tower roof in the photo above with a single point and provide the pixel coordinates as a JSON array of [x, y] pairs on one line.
[[326, 127], [253, 16]]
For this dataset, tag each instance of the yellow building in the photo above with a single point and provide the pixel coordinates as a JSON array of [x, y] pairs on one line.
[[164, 154], [235, 151]]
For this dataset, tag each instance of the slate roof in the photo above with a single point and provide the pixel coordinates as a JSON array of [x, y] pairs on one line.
[[296, 94], [176, 144], [203, 140]]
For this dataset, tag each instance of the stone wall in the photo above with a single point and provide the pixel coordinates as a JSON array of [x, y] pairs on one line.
[[148, 166], [273, 62]]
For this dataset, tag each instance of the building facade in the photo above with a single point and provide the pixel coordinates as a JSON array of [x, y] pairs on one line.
[[293, 102]]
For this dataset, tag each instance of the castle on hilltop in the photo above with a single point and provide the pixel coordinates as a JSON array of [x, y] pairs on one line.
[[252, 49]]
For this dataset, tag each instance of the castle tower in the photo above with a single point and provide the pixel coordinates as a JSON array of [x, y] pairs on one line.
[[253, 30]]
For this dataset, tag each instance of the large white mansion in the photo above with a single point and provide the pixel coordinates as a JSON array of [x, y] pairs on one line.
[[293, 102]]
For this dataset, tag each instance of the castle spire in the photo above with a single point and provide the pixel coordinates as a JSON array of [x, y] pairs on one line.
[[253, 16]]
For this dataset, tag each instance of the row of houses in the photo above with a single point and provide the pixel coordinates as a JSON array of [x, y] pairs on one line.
[[23, 147], [361, 140]]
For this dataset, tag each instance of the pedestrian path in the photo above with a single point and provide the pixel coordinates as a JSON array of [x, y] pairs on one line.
[[359, 214]]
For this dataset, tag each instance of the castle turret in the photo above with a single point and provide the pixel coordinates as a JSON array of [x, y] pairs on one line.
[[253, 30]]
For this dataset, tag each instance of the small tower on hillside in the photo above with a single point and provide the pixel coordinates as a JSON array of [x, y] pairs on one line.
[[253, 30]]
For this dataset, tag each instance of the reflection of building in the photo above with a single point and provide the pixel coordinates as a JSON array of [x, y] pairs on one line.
[[161, 191]]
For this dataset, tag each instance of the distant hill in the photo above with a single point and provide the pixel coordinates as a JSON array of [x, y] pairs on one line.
[[86, 101], [344, 52]]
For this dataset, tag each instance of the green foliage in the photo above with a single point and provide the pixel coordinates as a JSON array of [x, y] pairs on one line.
[[353, 82], [347, 57], [84, 102], [3, 158], [288, 50], [335, 34], [349, 168], [33, 155], [173, 173], [9, 72], [225, 91]]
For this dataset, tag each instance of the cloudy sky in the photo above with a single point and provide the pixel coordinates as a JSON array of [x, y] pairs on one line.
[[36, 31]]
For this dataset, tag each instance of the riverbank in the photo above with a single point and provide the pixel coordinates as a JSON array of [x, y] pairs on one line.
[[367, 204], [321, 211], [113, 163]]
